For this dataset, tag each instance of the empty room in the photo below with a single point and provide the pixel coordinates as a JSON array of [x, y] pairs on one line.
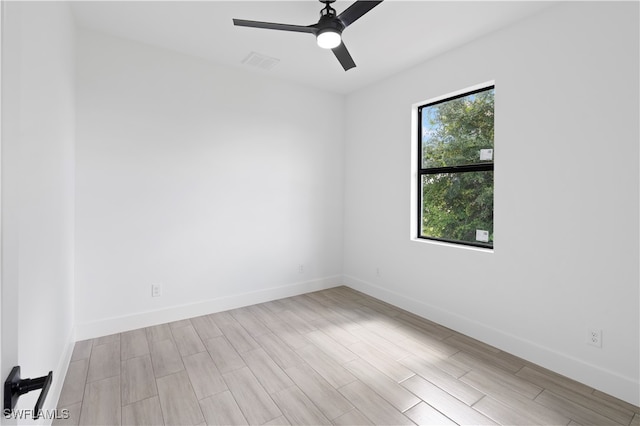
[[320, 212]]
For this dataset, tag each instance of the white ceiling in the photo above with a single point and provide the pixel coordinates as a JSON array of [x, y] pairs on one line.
[[393, 36]]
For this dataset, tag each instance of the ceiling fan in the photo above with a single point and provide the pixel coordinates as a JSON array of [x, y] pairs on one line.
[[328, 30]]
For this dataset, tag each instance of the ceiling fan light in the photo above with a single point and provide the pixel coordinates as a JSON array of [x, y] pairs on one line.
[[329, 39]]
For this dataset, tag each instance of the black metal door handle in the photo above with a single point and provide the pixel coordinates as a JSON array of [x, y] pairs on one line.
[[14, 386]]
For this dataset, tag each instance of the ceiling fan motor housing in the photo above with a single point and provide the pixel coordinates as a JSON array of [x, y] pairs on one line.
[[330, 23]]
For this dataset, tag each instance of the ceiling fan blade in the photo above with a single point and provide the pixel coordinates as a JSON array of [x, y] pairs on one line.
[[356, 10], [273, 26], [344, 57]]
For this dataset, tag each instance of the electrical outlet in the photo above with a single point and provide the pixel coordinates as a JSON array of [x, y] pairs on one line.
[[594, 337], [301, 268], [156, 290], [377, 272]]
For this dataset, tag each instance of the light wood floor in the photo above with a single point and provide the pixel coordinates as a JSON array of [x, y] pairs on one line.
[[331, 357]]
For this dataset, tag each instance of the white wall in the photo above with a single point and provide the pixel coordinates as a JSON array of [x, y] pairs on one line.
[[214, 183], [38, 126], [566, 195]]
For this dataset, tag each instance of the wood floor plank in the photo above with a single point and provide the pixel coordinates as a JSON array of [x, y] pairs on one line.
[[461, 390], [82, 350], [101, 404], [343, 293], [505, 394], [104, 361], [278, 421], [448, 405], [353, 312], [583, 415], [486, 352], [165, 357], [334, 316], [255, 403], [428, 327], [146, 412], [330, 347], [351, 418], [321, 298], [479, 371], [311, 304], [507, 414], [391, 368], [328, 400], [275, 306], [615, 401], [297, 305], [503, 414], [68, 416], [435, 357], [394, 351], [250, 322], [299, 409], [465, 343], [204, 375], [187, 340], [236, 335], [336, 332], [74, 383], [180, 323], [133, 344], [106, 339], [636, 420], [378, 319], [222, 409], [178, 400], [387, 388], [376, 408], [206, 327], [549, 380], [424, 414], [412, 332], [288, 334], [329, 369], [224, 355], [419, 344], [564, 387], [268, 373], [282, 354], [379, 306], [158, 332], [137, 380], [298, 324], [264, 315]]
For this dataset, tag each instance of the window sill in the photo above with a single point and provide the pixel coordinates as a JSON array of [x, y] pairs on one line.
[[458, 246]]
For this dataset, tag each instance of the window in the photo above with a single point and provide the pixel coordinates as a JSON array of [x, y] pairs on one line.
[[455, 169]]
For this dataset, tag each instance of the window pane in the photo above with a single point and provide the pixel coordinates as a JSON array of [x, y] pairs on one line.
[[458, 207], [458, 131]]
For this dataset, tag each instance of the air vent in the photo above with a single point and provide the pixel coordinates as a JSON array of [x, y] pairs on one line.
[[261, 61]]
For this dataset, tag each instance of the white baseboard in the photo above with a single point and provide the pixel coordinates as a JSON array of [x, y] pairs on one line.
[[59, 374], [174, 313], [604, 380]]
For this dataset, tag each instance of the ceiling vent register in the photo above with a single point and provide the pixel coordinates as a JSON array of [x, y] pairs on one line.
[[260, 61]]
